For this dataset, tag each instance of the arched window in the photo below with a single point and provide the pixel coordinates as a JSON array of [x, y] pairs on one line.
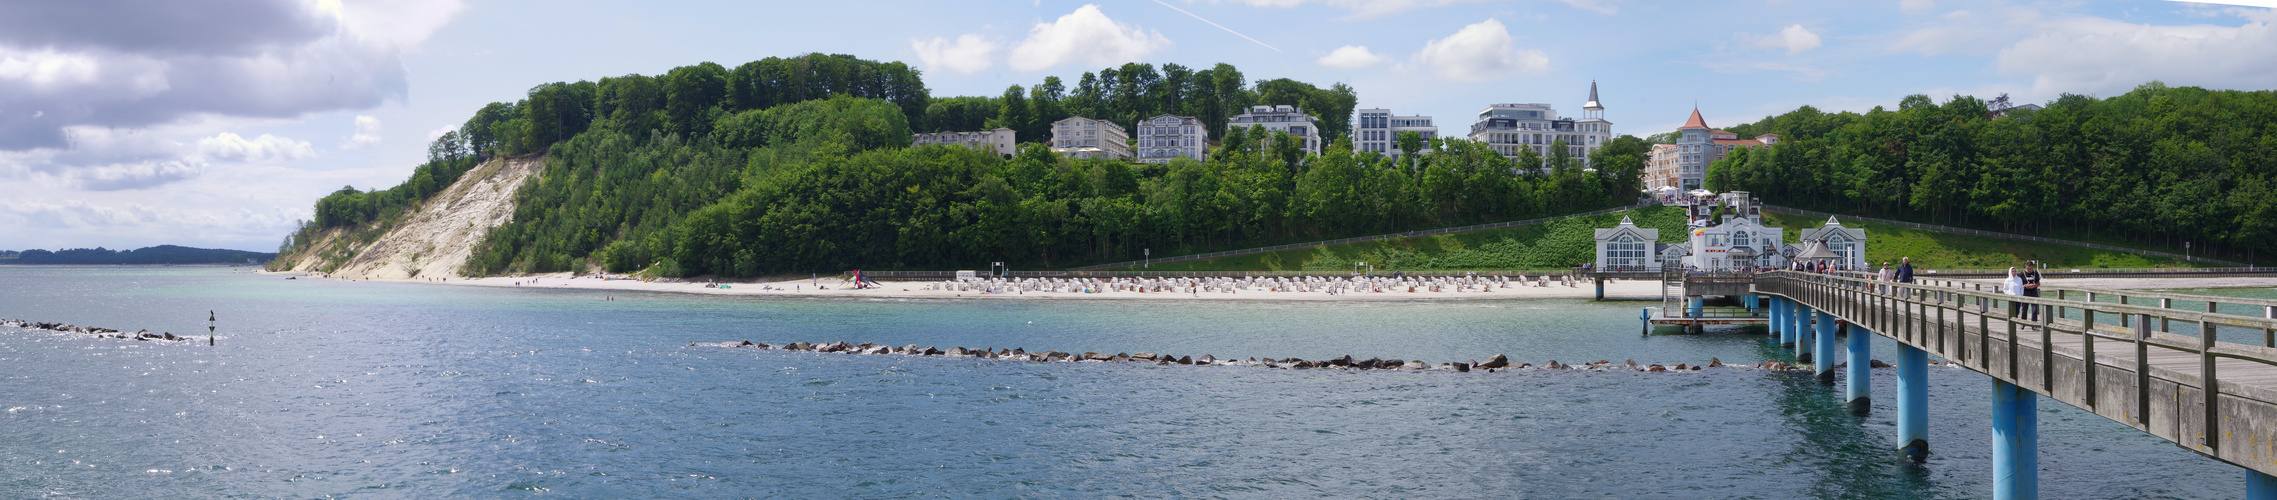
[[1739, 239]]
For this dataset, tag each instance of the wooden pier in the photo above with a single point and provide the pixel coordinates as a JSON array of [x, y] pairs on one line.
[[2143, 359]]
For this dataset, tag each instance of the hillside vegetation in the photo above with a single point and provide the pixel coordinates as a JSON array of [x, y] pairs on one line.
[[2158, 166], [1942, 250]]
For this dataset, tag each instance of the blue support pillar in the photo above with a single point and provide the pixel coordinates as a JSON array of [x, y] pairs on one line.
[[2015, 442], [1778, 316], [1825, 350], [1798, 323], [1695, 310], [1913, 402], [1860, 385], [1803, 343], [2260, 486]]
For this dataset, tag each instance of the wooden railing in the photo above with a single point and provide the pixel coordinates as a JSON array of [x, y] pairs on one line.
[[2183, 383]]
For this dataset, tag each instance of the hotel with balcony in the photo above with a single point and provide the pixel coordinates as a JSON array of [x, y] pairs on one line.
[[1510, 127]]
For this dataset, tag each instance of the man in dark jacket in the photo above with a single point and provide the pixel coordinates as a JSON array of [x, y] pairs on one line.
[[1905, 270], [2031, 289]]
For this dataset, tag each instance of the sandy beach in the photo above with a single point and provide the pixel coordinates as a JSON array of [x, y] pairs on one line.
[[834, 287]]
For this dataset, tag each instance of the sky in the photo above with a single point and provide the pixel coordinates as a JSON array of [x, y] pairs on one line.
[[218, 123]]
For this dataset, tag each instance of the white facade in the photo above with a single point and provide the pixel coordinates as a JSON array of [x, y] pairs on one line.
[[1509, 127], [1850, 243], [1079, 137], [1628, 248], [1378, 130], [1168, 136], [999, 140], [1286, 119], [1739, 241]]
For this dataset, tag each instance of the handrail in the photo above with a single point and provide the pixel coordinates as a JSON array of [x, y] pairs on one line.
[[1291, 246]]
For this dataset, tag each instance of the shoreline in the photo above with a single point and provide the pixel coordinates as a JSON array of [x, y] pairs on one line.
[[1631, 290], [1621, 291]]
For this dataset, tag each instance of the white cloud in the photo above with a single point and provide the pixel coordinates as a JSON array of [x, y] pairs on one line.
[[438, 132], [1968, 32], [264, 149], [2096, 55], [1369, 9], [1480, 52], [401, 23], [139, 175], [1917, 5], [1087, 37], [1795, 39], [73, 64], [367, 132], [969, 54], [1351, 57]]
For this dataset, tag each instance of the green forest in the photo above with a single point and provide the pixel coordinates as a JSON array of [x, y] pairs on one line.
[[2156, 167], [804, 164], [161, 254]]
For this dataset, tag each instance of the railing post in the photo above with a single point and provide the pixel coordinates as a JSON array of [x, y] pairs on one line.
[[2015, 442], [2087, 353], [2269, 335], [2142, 369], [2213, 386], [2165, 324]]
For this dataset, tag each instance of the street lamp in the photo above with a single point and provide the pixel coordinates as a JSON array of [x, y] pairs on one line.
[[1146, 259]]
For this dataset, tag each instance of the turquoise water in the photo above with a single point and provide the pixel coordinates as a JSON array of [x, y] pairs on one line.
[[329, 388]]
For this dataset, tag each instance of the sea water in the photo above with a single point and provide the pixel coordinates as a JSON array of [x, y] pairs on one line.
[[335, 388]]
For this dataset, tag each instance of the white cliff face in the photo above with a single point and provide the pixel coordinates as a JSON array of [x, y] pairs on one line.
[[440, 236]]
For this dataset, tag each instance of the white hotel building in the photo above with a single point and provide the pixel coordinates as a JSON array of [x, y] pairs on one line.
[[1508, 127], [1378, 130], [1169, 136], [1283, 118], [999, 141], [1079, 137]]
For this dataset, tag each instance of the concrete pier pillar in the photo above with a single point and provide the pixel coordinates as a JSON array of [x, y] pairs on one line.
[[2260, 486], [1824, 353], [1803, 343], [1860, 384], [1913, 402], [2015, 442]]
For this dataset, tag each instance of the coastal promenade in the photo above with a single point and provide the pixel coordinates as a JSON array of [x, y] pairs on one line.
[[2142, 359]]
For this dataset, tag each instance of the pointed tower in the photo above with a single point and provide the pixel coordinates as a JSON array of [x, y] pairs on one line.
[[1593, 109], [1696, 122]]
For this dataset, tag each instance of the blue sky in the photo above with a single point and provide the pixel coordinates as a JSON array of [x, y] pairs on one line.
[[219, 123]]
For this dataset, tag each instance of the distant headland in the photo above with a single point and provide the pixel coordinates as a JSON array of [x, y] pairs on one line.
[[162, 254]]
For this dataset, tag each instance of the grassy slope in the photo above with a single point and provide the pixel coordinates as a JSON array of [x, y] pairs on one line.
[[1941, 250], [1563, 243]]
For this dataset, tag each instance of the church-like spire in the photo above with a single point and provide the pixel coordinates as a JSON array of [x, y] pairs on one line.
[[1593, 105]]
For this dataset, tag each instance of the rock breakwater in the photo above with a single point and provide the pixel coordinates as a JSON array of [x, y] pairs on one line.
[[1495, 363], [101, 332]]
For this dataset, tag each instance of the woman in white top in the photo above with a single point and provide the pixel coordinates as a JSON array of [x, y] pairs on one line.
[[2013, 286]]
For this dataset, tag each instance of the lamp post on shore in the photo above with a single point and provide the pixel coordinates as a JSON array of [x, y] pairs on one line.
[[1146, 258]]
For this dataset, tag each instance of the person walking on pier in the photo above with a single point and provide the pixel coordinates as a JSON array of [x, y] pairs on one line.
[[2031, 278], [2013, 287]]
